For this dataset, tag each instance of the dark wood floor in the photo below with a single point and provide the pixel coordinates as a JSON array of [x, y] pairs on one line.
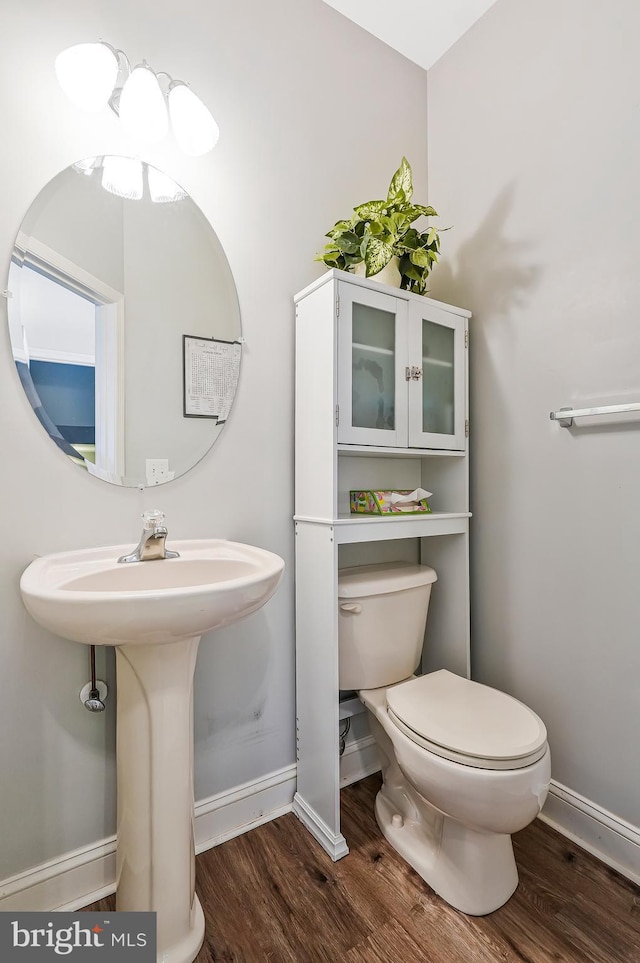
[[274, 895]]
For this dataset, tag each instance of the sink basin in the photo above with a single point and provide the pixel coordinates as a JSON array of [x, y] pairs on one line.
[[89, 597], [154, 613]]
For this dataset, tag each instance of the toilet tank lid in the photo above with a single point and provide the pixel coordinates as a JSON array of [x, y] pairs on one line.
[[382, 579]]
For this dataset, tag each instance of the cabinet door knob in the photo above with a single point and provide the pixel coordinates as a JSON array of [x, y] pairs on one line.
[[354, 607]]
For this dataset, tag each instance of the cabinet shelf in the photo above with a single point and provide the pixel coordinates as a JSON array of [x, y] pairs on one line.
[[349, 707], [377, 451], [350, 529], [373, 348]]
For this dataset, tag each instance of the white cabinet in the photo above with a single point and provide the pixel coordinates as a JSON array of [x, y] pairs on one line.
[[360, 424], [401, 370]]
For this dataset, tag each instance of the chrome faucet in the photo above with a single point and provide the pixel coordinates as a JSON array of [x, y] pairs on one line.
[[151, 545]]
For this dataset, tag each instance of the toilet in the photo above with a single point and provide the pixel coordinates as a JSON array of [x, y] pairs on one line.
[[463, 765]]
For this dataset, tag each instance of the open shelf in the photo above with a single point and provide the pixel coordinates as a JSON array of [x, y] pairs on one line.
[[377, 528], [374, 451], [350, 706]]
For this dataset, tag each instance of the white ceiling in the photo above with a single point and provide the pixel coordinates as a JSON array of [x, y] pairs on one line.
[[422, 30]]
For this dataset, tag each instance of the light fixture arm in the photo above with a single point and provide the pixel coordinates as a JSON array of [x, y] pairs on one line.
[[124, 70], [165, 81]]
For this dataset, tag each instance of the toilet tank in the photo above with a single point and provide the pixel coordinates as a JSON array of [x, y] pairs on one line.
[[382, 613]]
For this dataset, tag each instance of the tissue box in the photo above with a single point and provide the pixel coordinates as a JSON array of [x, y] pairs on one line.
[[379, 503]]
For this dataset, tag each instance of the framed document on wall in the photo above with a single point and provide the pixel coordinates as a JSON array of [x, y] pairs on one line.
[[210, 376]]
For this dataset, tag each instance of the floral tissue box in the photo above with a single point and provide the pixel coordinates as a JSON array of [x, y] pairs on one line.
[[400, 502]]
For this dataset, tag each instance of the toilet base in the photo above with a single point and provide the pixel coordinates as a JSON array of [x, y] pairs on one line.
[[473, 871]]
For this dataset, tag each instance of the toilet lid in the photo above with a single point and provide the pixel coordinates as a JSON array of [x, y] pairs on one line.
[[465, 719]]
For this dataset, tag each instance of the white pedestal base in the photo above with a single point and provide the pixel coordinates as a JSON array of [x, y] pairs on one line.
[[155, 856]]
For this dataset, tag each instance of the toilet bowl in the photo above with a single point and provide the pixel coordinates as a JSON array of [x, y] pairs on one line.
[[463, 765]]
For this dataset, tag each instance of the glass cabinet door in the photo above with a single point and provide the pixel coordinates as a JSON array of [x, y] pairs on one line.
[[372, 345], [437, 389]]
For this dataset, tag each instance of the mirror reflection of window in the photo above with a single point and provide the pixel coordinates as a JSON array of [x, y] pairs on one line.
[[59, 340], [66, 334]]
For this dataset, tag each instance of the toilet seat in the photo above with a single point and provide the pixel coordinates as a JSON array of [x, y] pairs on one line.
[[467, 722]]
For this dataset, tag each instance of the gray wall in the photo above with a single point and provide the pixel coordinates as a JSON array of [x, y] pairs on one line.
[[301, 142], [176, 282], [534, 154]]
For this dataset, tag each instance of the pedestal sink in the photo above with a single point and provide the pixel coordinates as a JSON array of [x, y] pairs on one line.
[[154, 613]]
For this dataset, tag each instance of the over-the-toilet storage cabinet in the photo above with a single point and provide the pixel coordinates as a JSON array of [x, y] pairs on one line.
[[381, 403]]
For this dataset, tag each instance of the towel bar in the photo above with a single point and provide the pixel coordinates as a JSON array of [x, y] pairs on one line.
[[565, 416]]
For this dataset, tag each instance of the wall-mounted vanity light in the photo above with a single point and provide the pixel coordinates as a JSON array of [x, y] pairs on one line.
[[93, 75]]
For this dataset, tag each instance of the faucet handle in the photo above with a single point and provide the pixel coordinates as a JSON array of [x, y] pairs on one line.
[[152, 519]]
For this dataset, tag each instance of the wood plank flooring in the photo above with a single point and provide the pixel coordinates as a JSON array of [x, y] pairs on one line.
[[274, 896]]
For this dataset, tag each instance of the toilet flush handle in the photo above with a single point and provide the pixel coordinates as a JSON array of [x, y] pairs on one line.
[[354, 607]]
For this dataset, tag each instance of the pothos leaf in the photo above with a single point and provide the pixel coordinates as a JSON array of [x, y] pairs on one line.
[[349, 242], [427, 211], [369, 210], [413, 272], [402, 181], [420, 257], [410, 240], [339, 228], [377, 256], [390, 225]]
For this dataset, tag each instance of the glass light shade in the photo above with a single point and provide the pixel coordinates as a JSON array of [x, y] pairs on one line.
[[87, 73], [162, 189], [195, 130], [143, 111], [87, 166], [122, 176]]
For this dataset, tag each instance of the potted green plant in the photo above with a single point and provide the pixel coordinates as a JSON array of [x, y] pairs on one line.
[[380, 231]]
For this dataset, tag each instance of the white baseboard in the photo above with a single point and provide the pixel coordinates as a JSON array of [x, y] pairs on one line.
[[67, 883], [359, 759], [76, 879], [334, 845], [231, 813], [609, 838], [80, 877]]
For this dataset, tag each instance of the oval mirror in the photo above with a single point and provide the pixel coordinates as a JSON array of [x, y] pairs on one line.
[[124, 321]]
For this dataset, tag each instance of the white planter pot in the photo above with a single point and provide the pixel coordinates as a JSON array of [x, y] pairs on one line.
[[390, 273]]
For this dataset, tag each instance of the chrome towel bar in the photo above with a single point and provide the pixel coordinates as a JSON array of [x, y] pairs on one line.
[[565, 416]]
